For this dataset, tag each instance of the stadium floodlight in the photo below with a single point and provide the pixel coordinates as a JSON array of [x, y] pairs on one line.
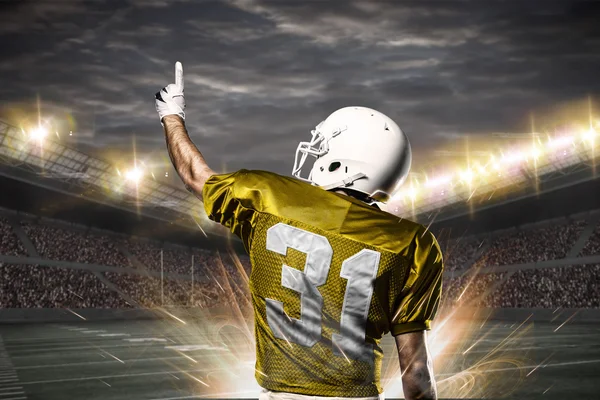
[[513, 157], [467, 176], [589, 135], [412, 193], [438, 181], [535, 152], [38, 134], [134, 175], [558, 142]]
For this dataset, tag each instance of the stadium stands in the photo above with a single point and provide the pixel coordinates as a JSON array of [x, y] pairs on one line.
[[566, 287], [71, 245], [32, 286], [9, 243], [471, 289], [460, 252], [593, 244], [547, 243]]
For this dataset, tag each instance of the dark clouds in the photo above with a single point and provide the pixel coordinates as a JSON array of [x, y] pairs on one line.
[[261, 75]]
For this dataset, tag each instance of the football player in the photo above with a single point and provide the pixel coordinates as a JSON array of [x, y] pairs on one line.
[[331, 272]]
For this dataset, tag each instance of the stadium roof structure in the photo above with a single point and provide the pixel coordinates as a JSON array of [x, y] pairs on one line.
[[571, 164], [58, 167], [61, 168]]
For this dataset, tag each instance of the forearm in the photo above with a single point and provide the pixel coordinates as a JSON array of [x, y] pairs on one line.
[[416, 365], [185, 156], [418, 382]]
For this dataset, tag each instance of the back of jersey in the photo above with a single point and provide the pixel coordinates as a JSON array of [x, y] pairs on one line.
[[330, 276]]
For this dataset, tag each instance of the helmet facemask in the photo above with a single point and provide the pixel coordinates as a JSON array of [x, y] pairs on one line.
[[317, 147]]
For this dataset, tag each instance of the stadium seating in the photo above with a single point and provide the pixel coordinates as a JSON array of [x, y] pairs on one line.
[[548, 243], [32, 286], [460, 252], [72, 245], [9, 243], [134, 266]]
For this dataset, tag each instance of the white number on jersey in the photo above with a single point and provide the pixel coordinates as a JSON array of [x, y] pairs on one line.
[[360, 270]]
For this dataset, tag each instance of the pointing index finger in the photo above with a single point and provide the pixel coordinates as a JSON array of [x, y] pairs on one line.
[[179, 75]]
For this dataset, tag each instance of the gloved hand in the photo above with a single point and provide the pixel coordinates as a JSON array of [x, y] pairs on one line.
[[170, 99]]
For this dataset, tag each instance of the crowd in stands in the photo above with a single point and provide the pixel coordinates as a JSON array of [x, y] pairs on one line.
[[149, 255], [218, 277], [562, 287], [147, 291], [566, 287], [470, 288], [592, 246], [10, 245], [460, 253], [177, 260], [520, 247], [73, 245], [32, 286]]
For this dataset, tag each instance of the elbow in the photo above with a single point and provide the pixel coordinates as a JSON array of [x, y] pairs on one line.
[[194, 181], [194, 187]]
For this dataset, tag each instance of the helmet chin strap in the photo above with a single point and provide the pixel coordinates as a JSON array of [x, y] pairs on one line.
[[344, 182]]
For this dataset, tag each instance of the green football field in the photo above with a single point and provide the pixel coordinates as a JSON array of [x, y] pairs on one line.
[[173, 359]]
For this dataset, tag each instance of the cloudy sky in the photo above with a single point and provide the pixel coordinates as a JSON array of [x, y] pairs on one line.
[[260, 75]]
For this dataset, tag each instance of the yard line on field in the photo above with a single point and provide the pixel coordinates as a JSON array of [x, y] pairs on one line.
[[91, 347], [212, 395], [549, 347], [195, 347], [562, 364], [173, 335], [113, 334], [11, 393], [175, 372], [131, 360]]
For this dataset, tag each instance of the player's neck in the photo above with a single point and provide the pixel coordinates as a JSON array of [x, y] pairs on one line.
[[355, 195]]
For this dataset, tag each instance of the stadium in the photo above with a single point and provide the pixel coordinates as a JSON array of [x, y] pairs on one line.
[[477, 120], [115, 285]]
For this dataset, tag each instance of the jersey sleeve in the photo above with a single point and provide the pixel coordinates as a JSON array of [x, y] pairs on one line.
[[420, 297], [230, 199]]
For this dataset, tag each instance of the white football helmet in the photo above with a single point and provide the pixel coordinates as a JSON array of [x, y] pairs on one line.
[[357, 148]]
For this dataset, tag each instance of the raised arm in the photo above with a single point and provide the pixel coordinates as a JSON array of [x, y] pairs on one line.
[[416, 366], [185, 156]]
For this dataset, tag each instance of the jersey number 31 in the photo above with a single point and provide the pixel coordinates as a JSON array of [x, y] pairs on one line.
[[360, 270]]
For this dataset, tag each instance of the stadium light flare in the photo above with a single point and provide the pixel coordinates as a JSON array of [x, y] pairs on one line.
[[134, 175], [504, 165], [467, 176], [535, 152], [38, 134], [439, 181], [589, 135], [558, 142]]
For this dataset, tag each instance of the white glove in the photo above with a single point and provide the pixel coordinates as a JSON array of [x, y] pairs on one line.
[[170, 99]]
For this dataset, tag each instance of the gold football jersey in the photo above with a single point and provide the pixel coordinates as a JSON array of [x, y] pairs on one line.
[[330, 276]]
